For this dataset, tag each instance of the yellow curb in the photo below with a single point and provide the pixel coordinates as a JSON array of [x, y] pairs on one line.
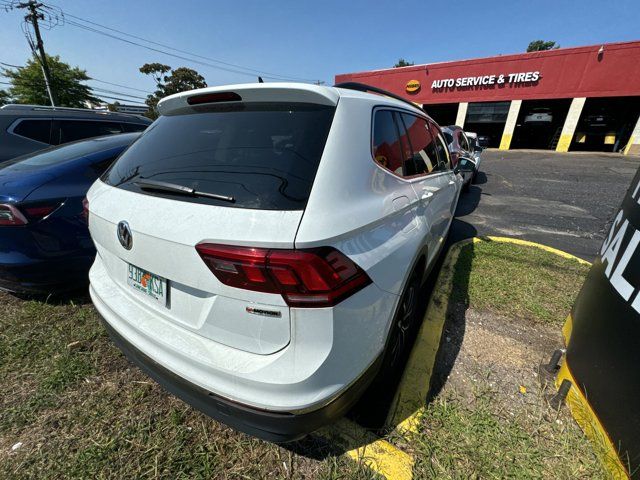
[[407, 407], [588, 421], [365, 448], [546, 248]]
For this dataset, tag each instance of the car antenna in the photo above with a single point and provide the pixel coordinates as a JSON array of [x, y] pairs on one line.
[[260, 80]]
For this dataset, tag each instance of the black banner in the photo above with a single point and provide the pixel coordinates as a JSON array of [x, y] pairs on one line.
[[604, 349]]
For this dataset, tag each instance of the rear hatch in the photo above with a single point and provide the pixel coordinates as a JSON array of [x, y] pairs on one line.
[[249, 157]]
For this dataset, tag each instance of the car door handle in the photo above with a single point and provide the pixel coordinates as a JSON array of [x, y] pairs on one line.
[[451, 182], [427, 195]]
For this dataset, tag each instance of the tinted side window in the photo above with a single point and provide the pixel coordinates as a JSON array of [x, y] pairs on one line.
[[441, 148], [134, 127], [386, 144], [423, 152], [71, 130], [38, 130]]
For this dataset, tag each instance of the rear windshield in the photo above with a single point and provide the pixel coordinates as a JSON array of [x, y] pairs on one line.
[[265, 156]]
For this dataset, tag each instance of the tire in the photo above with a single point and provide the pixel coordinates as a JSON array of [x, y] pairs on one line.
[[475, 175], [403, 326], [466, 186]]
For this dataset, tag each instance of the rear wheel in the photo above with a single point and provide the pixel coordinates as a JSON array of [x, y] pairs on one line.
[[403, 325]]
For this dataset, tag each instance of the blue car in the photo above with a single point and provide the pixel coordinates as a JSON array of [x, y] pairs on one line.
[[45, 245]]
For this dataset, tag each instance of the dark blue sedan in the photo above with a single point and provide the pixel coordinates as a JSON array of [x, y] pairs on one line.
[[45, 245]]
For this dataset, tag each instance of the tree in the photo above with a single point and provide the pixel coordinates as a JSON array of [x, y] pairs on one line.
[[168, 82], [113, 107], [540, 45], [403, 63], [4, 97], [28, 86]]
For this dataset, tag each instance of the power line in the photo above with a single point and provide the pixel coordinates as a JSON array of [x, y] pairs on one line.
[[90, 79], [182, 57], [118, 85], [249, 69], [117, 93], [101, 96], [97, 93]]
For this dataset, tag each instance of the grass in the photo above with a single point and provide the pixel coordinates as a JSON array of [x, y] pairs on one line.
[[491, 419], [520, 282], [82, 411], [475, 439]]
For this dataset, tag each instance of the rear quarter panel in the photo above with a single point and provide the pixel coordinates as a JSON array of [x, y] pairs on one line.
[[357, 206]]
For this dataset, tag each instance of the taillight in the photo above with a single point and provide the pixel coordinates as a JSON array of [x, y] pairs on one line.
[[318, 277], [10, 215], [85, 209], [24, 213]]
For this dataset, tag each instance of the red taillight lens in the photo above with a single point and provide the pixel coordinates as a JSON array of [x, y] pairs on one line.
[[27, 212], [319, 277], [85, 209], [10, 215]]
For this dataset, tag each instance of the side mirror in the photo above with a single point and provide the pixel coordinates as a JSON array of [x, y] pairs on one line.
[[465, 165]]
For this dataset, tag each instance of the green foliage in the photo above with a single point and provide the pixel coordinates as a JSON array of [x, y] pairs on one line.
[[540, 45], [28, 85], [403, 63], [4, 97], [168, 82]]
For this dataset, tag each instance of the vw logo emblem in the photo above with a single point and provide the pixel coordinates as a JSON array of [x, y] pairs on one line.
[[124, 235]]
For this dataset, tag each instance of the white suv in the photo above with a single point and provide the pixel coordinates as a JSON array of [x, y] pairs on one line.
[[260, 247]]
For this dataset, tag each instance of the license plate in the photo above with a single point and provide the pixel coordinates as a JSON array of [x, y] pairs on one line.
[[148, 284]]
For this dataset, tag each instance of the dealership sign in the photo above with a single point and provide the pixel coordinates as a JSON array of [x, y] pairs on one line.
[[461, 83]]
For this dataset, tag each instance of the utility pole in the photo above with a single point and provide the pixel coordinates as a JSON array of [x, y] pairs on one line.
[[33, 16]]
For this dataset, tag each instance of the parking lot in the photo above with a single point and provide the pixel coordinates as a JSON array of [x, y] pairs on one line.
[[562, 200]]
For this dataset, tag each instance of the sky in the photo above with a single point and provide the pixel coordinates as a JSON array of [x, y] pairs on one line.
[[309, 40]]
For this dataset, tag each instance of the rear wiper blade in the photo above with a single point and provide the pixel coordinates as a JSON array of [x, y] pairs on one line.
[[179, 189]]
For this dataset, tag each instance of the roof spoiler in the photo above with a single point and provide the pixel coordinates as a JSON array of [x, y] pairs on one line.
[[249, 92], [362, 87]]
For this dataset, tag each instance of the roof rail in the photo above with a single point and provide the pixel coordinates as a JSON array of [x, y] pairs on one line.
[[362, 87], [18, 106]]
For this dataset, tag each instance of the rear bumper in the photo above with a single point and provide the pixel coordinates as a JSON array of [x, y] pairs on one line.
[[265, 424]]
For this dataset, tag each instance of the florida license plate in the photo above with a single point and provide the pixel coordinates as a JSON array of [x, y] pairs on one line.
[[148, 284]]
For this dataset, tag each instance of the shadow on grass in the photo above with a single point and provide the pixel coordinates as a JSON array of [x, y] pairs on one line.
[[76, 296]]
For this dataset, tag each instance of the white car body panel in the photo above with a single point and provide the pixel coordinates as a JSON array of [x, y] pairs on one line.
[[307, 356]]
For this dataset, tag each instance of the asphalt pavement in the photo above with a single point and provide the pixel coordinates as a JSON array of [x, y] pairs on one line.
[[564, 200]]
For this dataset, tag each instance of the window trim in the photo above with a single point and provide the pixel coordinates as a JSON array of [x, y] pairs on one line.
[[414, 178], [436, 131], [18, 121]]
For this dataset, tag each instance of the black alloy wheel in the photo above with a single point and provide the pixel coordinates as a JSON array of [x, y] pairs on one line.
[[403, 323]]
